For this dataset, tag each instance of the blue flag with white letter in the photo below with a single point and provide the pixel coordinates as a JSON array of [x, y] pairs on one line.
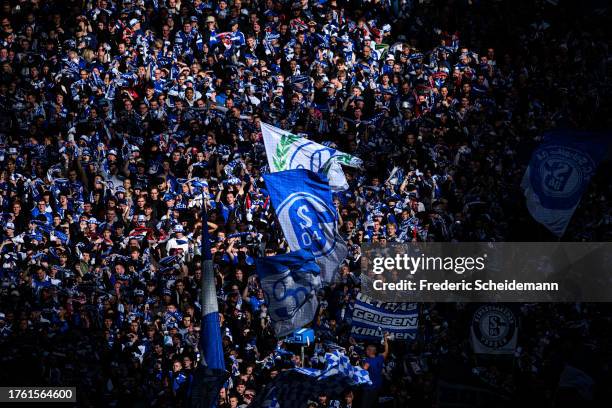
[[559, 173], [290, 283], [303, 203]]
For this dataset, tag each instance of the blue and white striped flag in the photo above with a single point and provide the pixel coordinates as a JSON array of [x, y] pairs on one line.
[[293, 388], [290, 283], [559, 173]]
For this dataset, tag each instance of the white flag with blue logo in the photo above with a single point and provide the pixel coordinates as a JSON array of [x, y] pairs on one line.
[[559, 173], [287, 151], [304, 207], [290, 283]]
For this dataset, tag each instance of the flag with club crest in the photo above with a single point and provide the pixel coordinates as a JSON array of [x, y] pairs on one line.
[[290, 282], [287, 151], [304, 207], [559, 173], [295, 387]]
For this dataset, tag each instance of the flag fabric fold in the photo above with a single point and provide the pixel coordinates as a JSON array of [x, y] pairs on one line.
[[287, 151], [290, 283], [304, 207], [205, 386], [294, 388], [558, 174]]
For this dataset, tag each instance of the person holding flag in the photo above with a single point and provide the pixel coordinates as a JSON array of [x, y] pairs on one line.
[[374, 363]]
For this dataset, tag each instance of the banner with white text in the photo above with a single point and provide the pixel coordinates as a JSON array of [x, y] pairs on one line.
[[372, 319]]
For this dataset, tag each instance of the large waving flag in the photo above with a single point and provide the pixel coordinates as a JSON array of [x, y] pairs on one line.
[[303, 204], [290, 283], [287, 151], [293, 388], [558, 173]]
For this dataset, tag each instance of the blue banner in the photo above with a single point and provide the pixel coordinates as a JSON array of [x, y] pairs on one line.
[[304, 207], [290, 283], [559, 173], [371, 319]]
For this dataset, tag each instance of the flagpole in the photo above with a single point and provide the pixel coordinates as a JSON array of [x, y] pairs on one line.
[[210, 333]]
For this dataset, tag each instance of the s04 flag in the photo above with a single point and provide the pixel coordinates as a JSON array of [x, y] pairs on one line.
[[287, 151], [303, 204], [290, 283], [559, 173]]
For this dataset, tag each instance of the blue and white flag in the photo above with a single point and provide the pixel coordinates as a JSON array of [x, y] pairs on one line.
[[304, 207], [290, 283], [558, 173], [372, 319], [293, 388], [287, 151]]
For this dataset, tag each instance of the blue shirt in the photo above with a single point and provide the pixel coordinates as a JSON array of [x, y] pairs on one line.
[[375, 370], [255, 303]]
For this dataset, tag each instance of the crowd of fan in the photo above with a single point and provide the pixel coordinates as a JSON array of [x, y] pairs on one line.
[[121, 118]]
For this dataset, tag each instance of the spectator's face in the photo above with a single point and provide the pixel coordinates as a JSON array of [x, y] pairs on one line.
[[348, 398], [371, 351], [177, 366], [187, 363], [134, 327], [135, 255], [248, 396]]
